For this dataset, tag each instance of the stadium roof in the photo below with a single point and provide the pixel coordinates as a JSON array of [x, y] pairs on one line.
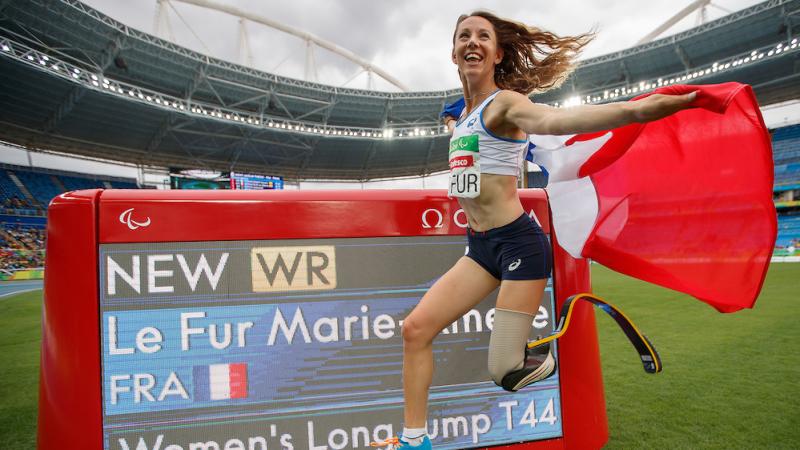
[[74, 80]]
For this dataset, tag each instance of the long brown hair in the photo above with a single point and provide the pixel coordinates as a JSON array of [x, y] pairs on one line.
[[534, 60]]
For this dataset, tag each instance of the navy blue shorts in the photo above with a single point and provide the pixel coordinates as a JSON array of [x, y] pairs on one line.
[[516, 251]]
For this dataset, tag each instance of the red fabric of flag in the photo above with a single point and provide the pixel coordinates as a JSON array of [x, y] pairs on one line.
[[685, 202]]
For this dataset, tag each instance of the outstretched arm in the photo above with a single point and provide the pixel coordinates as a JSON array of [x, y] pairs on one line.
[[535, 118]]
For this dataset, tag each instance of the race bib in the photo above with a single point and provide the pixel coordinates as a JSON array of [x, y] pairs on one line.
[[465, 168]]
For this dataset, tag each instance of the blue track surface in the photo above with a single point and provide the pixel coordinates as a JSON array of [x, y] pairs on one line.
[[8, 288]]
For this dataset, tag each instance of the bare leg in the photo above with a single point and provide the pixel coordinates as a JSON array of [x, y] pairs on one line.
[[455, 293], [522, 296]]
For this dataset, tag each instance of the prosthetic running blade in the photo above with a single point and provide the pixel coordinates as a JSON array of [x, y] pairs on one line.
[[647, 352]]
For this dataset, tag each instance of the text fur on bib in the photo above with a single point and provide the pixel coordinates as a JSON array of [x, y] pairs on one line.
[[465, 170]]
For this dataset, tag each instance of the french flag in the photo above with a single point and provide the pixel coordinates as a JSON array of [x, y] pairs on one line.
[[220, 381], [684, 202]]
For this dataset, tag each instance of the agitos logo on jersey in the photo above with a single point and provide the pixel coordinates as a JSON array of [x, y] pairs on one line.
[[464, 151], [468, 143]]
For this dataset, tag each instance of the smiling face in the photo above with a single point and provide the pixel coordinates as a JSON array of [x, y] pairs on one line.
[[475, 48]]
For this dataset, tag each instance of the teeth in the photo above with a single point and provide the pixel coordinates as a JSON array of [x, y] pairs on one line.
[[472, 57]]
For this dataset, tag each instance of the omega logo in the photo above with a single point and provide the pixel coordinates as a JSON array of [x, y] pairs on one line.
[[436, 213], [433, 218]]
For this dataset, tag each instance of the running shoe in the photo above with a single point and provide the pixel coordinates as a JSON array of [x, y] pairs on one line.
[[539, 365], [395, 443]]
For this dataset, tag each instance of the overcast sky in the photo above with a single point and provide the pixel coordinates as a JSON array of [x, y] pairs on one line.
[[410, 39]]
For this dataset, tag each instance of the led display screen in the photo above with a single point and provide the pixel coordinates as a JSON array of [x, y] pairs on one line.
[[295, 344], [255, 182], [197, 183]]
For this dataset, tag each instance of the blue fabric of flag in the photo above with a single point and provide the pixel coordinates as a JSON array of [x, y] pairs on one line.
[[200, 378]]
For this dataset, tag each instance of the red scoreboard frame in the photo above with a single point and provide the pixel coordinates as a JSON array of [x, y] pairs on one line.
[[70, 405]]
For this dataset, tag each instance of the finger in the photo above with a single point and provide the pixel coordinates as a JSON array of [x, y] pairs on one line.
[[681, 99]]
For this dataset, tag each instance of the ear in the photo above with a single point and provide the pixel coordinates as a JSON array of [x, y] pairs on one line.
[[453, 56], [499, 56]]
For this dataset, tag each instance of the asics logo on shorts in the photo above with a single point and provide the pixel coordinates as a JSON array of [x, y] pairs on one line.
[[513, 266]]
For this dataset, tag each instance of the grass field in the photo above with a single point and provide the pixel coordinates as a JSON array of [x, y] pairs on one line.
[[729, 381], [20, 335]]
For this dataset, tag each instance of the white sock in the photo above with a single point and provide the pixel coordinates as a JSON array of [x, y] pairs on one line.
[[414, 436]]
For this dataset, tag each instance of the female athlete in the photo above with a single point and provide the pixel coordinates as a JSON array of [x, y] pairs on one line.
[[500, 63]]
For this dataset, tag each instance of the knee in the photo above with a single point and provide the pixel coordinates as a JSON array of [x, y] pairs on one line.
[[415, 333]]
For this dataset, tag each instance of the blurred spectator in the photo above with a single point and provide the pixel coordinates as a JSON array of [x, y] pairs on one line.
[[16, 203], [22, 247], [25, 237], [11, 259]]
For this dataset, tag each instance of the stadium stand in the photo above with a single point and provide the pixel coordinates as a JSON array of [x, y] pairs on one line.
[[41, 187], [12, 259], [302, 129], [788, 231], [75, 183], [123, 185], [256, 122], [22, 237], [22, 243], [786, 145], [24, 196], [786, 155], [10, 194], [38, 186], [787, 173]]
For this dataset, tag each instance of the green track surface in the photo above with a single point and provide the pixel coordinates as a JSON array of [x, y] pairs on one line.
[[729, 380]]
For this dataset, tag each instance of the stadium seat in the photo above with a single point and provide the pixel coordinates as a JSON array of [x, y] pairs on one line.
[[40, 185], [76, 183], [786, 144]]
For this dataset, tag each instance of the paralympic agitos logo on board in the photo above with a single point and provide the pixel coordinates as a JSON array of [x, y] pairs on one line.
[[127, 219]]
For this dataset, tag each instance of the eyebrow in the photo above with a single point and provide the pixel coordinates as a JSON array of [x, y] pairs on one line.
[[469, 29]]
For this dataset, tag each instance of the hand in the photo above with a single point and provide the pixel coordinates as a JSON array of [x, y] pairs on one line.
[[450, 123], [453, 109], [658, 106]]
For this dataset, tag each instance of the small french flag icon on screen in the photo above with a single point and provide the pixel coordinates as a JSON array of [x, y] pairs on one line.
[[220, 381]]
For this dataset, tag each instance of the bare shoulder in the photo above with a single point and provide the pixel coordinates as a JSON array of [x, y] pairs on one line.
[[499, 111], [521, 112], [507, 97], [504, 102]]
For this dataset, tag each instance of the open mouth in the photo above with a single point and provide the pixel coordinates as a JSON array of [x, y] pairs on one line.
[[473, 57]]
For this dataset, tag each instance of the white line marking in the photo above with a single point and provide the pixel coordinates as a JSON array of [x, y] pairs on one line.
[[20, 292]]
